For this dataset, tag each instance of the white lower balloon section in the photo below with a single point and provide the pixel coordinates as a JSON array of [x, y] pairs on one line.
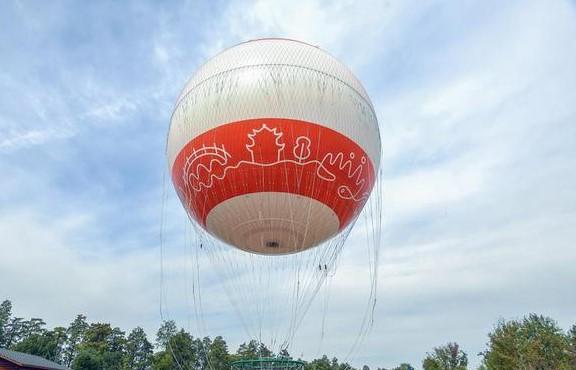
[[272, 222]]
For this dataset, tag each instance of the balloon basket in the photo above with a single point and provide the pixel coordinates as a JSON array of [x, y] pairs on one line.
[[268, 364]]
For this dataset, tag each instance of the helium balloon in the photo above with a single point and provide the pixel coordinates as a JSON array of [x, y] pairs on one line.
[[273, 146]]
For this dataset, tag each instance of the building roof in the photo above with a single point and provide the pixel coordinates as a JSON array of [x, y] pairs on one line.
[[24, 359]]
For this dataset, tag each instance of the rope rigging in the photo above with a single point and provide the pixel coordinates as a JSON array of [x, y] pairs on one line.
[[274, 152]]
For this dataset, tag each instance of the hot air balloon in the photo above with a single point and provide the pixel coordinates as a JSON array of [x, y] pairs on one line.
[[273, 146], [273, 149]]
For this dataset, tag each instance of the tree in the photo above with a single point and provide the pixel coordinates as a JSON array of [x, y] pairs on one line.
[[88, 359], [319, 364], [248, 351], [167, 330], [5, 314], [284, 354], [139, 351], [404, 366], [326, 364], [536, 342], [17, 329], [60, 338], [448, 357], [264, 352], [29, 336], [345, 366], [201, 348], [430, 363], [47, 345], [74, 335], [163, 361], [218, 356], [113, 357], [108, 343], [32, 327], [572, 346], [179, 353], [14, 331]]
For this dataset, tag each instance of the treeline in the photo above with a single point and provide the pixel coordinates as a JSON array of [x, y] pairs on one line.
[[533, 343], [99, 346]]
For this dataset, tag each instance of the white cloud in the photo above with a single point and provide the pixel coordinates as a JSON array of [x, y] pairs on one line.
[[437, 187], [16, 140], [43, 263], [343, 28]]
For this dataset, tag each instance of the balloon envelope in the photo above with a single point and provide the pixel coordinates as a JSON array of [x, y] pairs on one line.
[[273, 146]]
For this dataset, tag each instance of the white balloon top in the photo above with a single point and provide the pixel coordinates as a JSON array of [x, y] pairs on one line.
[[274, 78], [275, 51]]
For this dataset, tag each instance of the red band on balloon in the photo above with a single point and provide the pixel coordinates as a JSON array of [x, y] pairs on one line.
[[273, 155]]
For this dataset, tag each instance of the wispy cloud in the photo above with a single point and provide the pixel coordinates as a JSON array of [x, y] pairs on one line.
[[17, 140]]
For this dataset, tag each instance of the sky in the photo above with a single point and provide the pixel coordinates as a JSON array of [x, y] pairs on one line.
[[476, 106]]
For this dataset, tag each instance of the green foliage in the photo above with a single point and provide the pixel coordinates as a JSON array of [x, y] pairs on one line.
[[218, 355], [533, 343], [139, 351], [48, 344], [167, 330], [404, 367], [88, 359], [448, 357], [571, 336], [163, 361], [75, 335], [536, 342], [104, 343], [263, 351], [61, 338], [248, 351], [5, 314], [178, 354], [325, 363], [284, 354], [184, 351], [30, 336], [14, 331], [34, 326], [251, 350]]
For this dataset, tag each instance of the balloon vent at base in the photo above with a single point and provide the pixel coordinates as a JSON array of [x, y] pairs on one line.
[[272, 244]]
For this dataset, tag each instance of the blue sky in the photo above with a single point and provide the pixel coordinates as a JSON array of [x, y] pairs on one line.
[[476, 107]]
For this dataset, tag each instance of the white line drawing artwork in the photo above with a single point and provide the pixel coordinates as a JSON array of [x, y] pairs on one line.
[[302, 148], [280, 146], [193, 169]]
